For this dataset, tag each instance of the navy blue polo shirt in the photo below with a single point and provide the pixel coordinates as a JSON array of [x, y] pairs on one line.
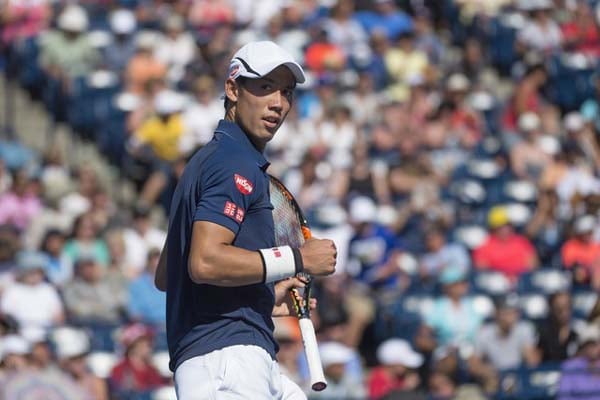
[[225, 182]]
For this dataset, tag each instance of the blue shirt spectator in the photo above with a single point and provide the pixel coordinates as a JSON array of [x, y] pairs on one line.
[[146, 303]]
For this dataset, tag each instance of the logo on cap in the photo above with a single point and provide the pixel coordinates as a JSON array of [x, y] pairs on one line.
[[234, 70]]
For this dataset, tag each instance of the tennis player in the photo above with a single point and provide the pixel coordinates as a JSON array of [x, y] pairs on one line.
[[223, 275]]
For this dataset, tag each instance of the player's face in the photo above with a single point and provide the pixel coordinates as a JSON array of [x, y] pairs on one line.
[[262, 104]]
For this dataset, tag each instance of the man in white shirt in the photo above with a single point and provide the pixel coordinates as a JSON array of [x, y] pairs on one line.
[[139, 239], [34, 303]]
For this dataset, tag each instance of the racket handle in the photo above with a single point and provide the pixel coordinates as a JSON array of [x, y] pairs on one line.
[[315, 368]]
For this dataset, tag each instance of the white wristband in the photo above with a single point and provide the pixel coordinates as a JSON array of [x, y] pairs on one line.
[[278, 263]]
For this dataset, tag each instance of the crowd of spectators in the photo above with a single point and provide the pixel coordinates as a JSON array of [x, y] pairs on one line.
[[450, 148]]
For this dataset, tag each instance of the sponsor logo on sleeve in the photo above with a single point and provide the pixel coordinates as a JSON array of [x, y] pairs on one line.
[[243, 184], [230, 209], [239, 215]]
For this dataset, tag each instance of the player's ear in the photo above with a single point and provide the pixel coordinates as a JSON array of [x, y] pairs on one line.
[[231, 89]]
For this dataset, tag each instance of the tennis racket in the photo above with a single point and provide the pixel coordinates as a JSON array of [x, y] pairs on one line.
[[292, 230]]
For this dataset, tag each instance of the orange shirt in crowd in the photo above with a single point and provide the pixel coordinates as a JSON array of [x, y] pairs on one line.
[[141, 70], [576, 251]]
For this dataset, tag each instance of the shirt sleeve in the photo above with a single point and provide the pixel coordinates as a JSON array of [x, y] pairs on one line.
[[229, 188]]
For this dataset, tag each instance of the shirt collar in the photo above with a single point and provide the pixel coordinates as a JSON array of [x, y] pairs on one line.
[[233, 131]]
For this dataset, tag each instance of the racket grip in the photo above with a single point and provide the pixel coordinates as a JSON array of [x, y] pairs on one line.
[[315, 368]]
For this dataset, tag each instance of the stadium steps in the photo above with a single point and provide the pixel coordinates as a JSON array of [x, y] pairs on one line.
[[34, 128]]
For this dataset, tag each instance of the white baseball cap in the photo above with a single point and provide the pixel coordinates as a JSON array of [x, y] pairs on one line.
[[13, 344], [73, 18], [122, 21], [257, 59], [335, 353], [70, 342], [398, 352]]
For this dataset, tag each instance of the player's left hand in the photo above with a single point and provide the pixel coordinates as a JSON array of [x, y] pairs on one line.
[[284, 307]]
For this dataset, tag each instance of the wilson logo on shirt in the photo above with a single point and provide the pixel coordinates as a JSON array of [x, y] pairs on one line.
[[243, 185]]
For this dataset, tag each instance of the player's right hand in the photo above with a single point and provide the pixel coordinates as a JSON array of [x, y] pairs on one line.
[[319, 256]]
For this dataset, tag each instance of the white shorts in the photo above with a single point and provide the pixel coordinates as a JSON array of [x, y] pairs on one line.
[[235, 372]]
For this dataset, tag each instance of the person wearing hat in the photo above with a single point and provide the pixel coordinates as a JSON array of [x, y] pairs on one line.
[[135, 373], [453, 320], [396, 371], [144, 71], [66, 54], [175, 47], [220, 258], [580, 377], [14, 353], [340, 385], [505, 250], [71, 347], [117, 54], [527, 158], [156, 142], [506, 342], [581, 252], [33, 302]]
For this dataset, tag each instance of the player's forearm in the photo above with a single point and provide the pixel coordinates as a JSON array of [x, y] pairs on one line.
[[225, 265], [160, 277]]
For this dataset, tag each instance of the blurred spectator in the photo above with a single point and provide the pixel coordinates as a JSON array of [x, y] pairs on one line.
[[403, 60], [59, 267], [581, 253], [541, 33], [363, 100], [34, 303], [505, 250], [134, 373], [557, 338], [545, 228], [453, 320], [343, 30], [175, 48], [507, 342], [396, 370], [527, 159], [139, 239], [143, 69], [9, 246], [374, 247], [334, 357], [156, 142], [323, 55], [89, 298], [145, 302], [201, 116], [41, 357], [14, 355], [22, 20], [441, 254], [579, 375], [287, 334], [85, 242], [67, 53], [527, 96], [386, 17], [362, 178], [21, 203], [428, 41], [118, 53], [71, 348], [581, 33]]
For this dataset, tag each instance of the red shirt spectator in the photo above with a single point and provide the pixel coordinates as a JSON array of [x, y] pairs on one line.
[[581, 34], [135, 371], [504, 250], [396, 373]]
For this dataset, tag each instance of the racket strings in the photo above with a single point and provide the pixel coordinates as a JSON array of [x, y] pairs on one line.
[[288, 229]]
